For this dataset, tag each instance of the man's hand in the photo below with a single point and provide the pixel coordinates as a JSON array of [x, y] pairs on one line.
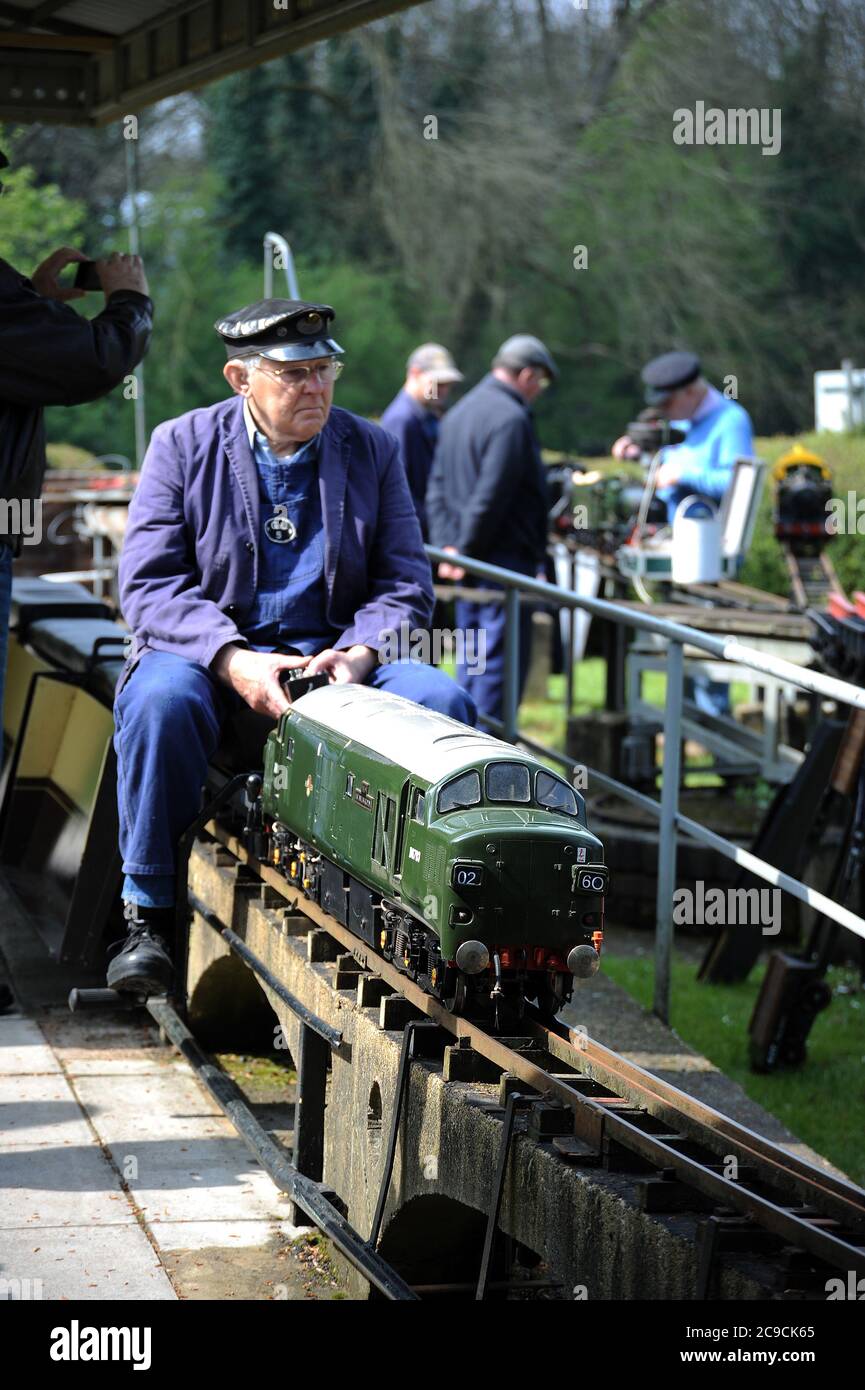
[[44, 277], [120, 272], [353, 664], [255, 676], [667, 475], [625, 448], [446, 571]]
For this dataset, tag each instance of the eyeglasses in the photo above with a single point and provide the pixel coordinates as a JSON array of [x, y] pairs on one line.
[[296, 377]]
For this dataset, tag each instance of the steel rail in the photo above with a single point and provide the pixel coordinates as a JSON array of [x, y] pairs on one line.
[[596, 1120]]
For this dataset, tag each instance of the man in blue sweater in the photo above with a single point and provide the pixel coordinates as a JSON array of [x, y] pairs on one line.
[[718, 431]]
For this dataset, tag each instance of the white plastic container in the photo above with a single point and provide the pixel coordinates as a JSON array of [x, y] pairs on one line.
[[696, 549]]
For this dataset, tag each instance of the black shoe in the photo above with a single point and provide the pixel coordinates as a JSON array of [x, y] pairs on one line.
[[142, 965]]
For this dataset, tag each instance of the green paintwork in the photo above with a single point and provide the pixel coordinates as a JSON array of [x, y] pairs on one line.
[[527, 872]]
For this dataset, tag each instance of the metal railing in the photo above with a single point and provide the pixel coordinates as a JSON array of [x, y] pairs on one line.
[[670, 818]]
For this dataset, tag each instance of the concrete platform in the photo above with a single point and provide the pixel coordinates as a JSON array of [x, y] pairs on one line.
[[119, 1177]]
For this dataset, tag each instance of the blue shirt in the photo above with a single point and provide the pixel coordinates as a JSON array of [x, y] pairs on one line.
[[290, 606], [416, 431], [719, 433]]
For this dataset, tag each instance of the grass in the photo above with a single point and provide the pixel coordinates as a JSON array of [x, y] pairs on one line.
[[823, 1102]]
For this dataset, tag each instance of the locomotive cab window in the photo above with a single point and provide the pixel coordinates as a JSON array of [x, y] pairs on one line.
[[508, 782], [417, 805], [460, 792], [349, 784], [555, 794]]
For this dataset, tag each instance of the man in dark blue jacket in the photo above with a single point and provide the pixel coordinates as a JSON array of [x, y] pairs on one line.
[[413, 417], [487, 498]]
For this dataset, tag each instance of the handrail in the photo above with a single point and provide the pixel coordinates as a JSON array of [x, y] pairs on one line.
[[671, 819]]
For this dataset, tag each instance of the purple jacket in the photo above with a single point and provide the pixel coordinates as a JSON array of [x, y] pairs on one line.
[[189, 564]]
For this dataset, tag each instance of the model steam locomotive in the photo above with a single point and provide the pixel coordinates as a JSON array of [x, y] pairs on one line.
[[463, 860]]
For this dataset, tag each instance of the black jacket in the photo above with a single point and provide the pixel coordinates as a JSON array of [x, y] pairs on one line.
[[49, 355], [486, 493]]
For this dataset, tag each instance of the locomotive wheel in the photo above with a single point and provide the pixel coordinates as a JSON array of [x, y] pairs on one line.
[[548, 1003], [454, 999], [506, 1014]]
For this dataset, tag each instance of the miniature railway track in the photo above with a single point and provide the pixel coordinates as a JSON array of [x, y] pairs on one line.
[[604, 1110]]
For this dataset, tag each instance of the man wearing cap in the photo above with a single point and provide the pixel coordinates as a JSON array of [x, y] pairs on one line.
[[414, 413], [487, 498], [719, 430], [269, 531], [49, 355]]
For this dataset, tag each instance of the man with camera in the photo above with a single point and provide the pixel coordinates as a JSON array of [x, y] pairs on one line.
[[718, 430], [50, 355]]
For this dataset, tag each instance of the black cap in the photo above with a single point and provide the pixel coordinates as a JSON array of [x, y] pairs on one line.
[[287, 330], [524, 350], [667, 373]]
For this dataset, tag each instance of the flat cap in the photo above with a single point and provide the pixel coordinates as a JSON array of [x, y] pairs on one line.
[[525, 351], [287, 330], [667, 373], [435, 361]]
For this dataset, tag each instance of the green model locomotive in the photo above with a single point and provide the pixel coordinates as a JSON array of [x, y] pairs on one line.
[[462, 859]]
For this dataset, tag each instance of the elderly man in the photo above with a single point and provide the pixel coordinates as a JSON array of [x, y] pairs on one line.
[[414, 413], [269, 531], [488, 498]]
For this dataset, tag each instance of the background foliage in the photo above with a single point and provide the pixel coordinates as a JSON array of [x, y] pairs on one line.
[[553, 129]]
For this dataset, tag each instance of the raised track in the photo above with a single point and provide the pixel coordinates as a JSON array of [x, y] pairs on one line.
[[605, 1110]]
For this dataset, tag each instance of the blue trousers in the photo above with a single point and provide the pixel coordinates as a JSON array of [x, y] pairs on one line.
[[168, 718], [486, 684]]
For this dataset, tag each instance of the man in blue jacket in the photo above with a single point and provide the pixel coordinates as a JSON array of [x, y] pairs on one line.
[[719, 431], [414, 413], [269, 531], [487, 498]]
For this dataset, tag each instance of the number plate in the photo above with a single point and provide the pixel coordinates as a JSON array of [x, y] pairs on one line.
[[464, 876], [589, 878]]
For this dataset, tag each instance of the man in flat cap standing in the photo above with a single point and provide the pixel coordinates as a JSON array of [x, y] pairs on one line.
[[414, 413], [719, 431], [487, 498], [269, 531]]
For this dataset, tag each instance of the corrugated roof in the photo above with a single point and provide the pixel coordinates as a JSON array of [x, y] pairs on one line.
[[91, 61]]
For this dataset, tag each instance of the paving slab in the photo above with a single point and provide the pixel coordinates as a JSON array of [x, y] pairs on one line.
[[48, 1186], [89, 1262], [23, 1049], [41, 1110]]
